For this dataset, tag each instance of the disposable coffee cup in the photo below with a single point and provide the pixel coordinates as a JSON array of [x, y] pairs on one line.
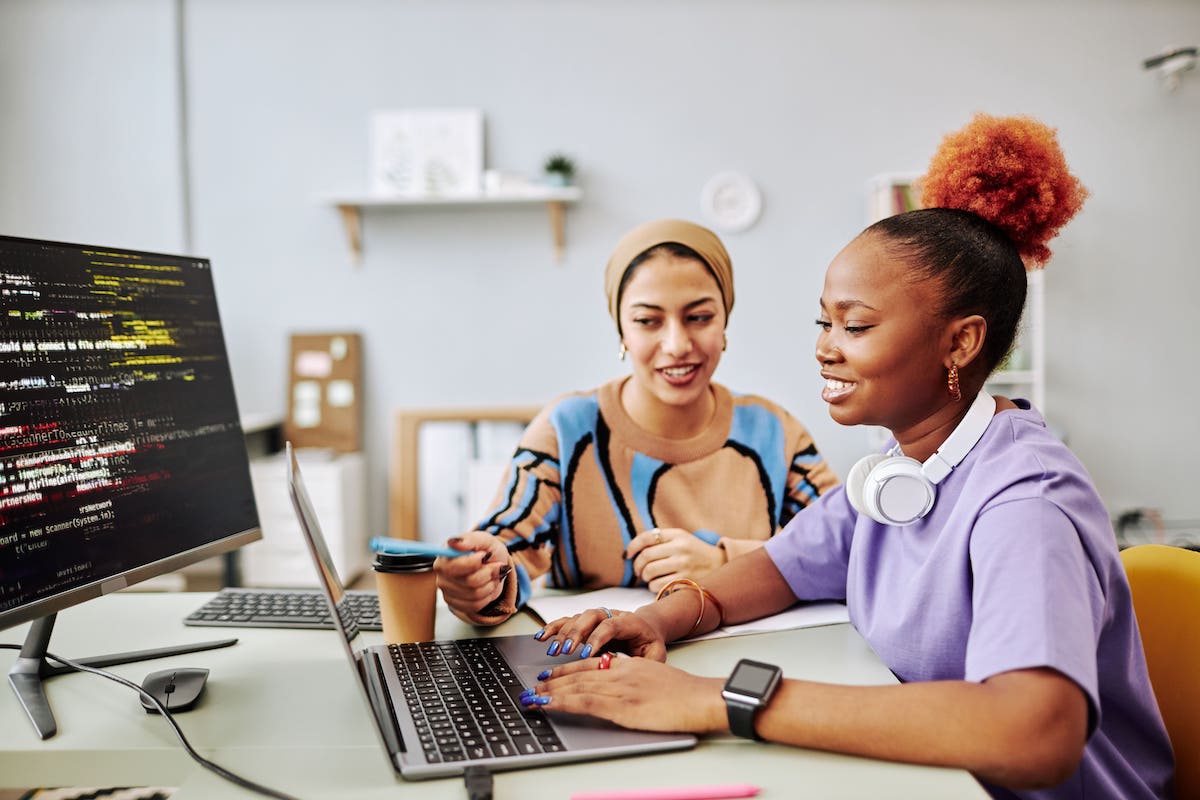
[[407, 596]]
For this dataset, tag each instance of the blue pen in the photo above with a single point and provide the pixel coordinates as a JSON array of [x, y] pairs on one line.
[[411, 547]]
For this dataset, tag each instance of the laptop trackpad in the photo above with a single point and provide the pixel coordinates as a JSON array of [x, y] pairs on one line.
[[529, 678], [528, 657]]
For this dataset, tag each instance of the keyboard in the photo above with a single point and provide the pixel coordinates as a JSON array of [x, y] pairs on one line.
[[464, 700], [282, 608]]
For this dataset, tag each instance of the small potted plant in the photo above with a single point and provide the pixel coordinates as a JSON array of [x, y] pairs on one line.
[[559, 170]]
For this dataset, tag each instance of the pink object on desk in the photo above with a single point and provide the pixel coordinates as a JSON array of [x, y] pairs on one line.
[[715, 792]]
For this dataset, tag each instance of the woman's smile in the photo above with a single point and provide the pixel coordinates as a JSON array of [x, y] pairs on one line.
[[679, 375], [836, 390]]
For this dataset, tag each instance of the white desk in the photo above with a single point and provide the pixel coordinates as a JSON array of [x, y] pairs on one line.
[[281, 708]]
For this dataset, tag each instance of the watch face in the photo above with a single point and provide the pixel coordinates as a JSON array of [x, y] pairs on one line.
[[752, 679], [748, 689]]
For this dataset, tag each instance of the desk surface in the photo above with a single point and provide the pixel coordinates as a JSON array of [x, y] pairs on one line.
[[281, 708]]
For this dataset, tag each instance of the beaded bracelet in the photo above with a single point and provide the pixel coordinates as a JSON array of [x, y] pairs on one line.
[[705, 597]]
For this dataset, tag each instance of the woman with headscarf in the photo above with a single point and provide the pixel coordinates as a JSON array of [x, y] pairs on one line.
[[659, 475]]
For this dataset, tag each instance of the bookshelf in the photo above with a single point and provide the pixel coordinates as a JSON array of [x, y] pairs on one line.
[[1023, 374], [891, 193]]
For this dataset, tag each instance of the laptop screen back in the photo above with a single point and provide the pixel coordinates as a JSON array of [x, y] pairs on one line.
[[581, 738], [344, 618]]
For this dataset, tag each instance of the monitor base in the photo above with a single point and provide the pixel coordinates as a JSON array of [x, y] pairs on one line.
[[31, 669]]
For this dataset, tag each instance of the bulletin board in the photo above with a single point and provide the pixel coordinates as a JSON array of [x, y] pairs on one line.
[[325, 391]]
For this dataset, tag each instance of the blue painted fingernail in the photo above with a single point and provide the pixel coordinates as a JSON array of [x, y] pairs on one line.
[[541, 700], [530, 692], [528, 699], [540, 634], [567, 645], [553, 650], [541, 677], [586, 651]]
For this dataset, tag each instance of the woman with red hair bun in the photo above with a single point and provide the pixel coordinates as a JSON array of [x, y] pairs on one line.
[[974, 552]]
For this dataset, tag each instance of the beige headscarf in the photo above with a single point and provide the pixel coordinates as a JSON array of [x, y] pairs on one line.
[[662, 231]]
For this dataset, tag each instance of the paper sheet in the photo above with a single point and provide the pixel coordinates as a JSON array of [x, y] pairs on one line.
[[804, 615]]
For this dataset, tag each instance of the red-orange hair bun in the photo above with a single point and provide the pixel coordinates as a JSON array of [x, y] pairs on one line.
[[1010, 171]]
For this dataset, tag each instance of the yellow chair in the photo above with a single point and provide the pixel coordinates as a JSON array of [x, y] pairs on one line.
[[1166, 599]]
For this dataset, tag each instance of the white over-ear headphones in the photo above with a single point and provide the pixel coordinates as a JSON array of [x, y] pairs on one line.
[[897, 490]]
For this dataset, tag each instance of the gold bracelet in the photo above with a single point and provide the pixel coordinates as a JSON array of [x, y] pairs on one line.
[[704, 594], [716, 604]]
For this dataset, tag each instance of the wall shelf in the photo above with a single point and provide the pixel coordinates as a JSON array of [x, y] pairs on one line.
[[555, 199]]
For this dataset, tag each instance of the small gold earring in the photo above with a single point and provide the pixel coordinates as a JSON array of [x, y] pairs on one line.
[[725, 344], [952, 383], [621, 354]]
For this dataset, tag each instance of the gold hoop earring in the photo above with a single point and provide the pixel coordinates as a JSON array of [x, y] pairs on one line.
[[725, 344], [952, 384], [622, 352]]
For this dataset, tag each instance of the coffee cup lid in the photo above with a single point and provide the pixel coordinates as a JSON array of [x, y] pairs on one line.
[[388, 562]]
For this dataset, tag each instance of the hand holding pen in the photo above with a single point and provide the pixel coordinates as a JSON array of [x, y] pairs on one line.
[[471, 571]]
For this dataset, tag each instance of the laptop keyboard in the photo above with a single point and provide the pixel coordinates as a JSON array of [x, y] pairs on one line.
[[463, 697], [282, 608]]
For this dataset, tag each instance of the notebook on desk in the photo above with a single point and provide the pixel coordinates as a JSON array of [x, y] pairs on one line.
[[440, 707]]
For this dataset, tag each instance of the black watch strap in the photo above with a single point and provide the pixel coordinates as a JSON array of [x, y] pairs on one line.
[[741, 719]]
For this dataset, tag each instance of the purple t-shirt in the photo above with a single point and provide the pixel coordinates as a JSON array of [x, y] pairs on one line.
[[1015, 567]]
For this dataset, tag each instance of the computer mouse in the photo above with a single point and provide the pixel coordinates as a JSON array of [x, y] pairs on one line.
[[178, 689]]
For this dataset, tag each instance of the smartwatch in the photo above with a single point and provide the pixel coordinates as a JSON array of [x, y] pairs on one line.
[[748, 689]]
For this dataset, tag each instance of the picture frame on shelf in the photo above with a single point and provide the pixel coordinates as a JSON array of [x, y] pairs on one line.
[[426, 153]]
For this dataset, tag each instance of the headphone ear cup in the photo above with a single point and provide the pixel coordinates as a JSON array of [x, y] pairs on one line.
[[857, 479], [897, 492]]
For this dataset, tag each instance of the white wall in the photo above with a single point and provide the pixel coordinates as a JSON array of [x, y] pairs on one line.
[[465, 306], [89, 138]]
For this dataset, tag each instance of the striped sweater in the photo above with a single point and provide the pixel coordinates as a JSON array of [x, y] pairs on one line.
[[585, 479]]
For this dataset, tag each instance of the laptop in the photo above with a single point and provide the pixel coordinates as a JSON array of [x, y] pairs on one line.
[[440, 707]]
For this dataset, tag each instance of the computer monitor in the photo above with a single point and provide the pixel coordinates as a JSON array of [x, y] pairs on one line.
[[121, 453]]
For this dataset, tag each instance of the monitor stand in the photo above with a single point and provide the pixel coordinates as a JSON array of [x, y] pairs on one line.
[[31, 668]]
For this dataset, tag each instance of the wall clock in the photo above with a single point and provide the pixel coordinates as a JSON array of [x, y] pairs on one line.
[[731, 202]]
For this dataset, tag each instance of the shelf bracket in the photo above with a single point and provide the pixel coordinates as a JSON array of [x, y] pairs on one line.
[[352, 223], [558, 214]]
